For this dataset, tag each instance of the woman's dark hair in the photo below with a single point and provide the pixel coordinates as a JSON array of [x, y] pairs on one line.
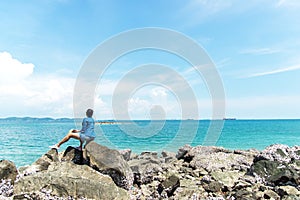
[[89, 112]]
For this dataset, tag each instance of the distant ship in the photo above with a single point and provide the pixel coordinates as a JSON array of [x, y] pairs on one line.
[[225, 118]]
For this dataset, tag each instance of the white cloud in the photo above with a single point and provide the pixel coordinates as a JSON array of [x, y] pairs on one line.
[[211, 6], [288, 3], [199, 10], [12, 70], [158, 92], [260, 51], [24, 94], [275, 71]]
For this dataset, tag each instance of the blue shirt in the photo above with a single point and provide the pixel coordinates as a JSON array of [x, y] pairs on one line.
[[88, 127]]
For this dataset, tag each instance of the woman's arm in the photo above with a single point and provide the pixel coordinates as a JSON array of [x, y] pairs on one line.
[[84, 126]]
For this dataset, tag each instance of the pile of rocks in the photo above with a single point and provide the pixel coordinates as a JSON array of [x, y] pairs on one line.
[[199, 172]]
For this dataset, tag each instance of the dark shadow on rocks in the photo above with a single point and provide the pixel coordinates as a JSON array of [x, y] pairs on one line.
[[74, 155]]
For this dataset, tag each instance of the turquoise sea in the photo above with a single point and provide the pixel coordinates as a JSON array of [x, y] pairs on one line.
[[25, 140]]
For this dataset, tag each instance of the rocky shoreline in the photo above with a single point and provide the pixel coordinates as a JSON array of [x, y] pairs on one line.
[[199, 172]]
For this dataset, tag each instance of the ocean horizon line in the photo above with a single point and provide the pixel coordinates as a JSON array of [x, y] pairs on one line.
[[119, 120]]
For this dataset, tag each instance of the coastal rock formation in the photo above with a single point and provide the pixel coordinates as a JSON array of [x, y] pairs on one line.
[[41, 164], [8, 170], [199, 172], [8, 175], [65, 179], [278, 165], [110, 162]]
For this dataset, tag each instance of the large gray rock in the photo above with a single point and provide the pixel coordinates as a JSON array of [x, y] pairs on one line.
[[277, 165], [280, 153], [182, 151], [144, 170], [270, 194], [288, 190], [8, 170], [227, 178], [41, 164], [110, 162], [126, 153], [8, 174], [168, 156], [220, 161], [169, 185], [67, 179], [189, 189]]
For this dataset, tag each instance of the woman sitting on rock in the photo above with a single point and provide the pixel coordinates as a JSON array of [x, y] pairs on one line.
[[86, 134]]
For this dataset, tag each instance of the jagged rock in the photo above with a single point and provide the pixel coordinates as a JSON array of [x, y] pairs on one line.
[[148, 154], [168, 156], [288, 190], [206, 179], [41, 164], [260, 195], [182, 151], [169, 185], [220, 161], [275, 173], [285, 176], [67, 179], [227, 178], [146, 167], [6, 188], [290, 197], [241, 184], [280, 153], [213, 186], [189, 190], [110, 162], [206, 150], [270, 194], [200, 172], [151, 157], [144, 170], [8, 170], [245, 194], [277, 165], [74, 155], [126, 154]]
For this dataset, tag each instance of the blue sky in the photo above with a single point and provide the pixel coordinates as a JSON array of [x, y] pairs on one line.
[[255, 46]]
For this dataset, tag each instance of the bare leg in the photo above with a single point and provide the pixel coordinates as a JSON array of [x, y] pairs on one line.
[[68, 136]]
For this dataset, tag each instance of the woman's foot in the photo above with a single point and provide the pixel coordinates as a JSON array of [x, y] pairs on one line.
[[54, 147]]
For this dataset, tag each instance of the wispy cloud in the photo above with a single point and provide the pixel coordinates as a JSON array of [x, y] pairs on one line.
[[276, 71], [288, 3], [213, 5], [222, 63], [201, 10], [259, 51]]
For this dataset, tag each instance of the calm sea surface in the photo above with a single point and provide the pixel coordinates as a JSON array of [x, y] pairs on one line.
[[24, 141]]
